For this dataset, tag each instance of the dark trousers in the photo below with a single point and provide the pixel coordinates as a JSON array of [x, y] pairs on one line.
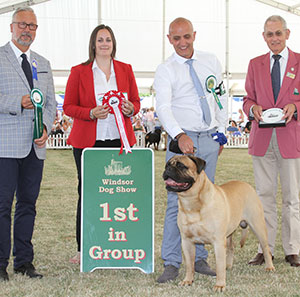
[[77, 152], [23, 177]]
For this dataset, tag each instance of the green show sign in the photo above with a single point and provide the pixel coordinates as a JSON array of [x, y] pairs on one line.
[[117, 210]]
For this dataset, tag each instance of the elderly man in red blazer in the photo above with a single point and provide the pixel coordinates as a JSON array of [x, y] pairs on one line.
[[276, 150]]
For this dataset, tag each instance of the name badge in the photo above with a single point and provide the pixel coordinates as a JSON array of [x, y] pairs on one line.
[[291, 75]]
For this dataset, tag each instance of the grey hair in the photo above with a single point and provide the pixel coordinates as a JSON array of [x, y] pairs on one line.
[[276, 18], [20, 9]]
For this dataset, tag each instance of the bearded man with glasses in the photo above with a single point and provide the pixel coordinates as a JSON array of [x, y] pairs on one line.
[[22, 156]]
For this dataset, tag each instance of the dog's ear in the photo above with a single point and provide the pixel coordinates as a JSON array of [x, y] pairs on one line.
[[200, 164]]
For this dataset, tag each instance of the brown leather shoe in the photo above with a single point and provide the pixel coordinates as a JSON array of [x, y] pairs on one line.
[[257, 260], [293, 260]]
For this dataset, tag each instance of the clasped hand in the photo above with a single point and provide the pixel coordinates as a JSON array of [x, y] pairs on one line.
[[288, 111], [186, 145], [102, 111], [26, 102], [41, 142]]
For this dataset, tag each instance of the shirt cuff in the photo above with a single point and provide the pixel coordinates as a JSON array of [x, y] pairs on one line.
[[251, 111]]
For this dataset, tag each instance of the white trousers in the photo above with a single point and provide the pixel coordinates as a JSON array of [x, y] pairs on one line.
[[266, 171]]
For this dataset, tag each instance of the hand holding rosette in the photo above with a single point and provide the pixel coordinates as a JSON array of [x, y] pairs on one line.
[[37, 99], [114, 100]]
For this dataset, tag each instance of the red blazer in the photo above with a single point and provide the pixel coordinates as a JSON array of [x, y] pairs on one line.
[[259, 91], [80, 99]]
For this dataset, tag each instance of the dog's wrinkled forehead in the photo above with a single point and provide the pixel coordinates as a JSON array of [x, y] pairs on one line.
[[185, 162], [175, 162]]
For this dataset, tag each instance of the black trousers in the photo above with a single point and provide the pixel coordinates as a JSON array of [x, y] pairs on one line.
[[77, 152], [21, 176]]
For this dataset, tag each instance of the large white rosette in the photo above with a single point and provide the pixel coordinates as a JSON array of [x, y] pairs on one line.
[[114, 100]]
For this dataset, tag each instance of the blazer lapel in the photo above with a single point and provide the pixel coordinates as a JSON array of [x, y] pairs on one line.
[[13, 60], [87, 80], [289, 76]]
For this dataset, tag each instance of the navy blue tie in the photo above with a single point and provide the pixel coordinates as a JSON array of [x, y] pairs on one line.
[[275, 76], [199, 89], [27, 70]]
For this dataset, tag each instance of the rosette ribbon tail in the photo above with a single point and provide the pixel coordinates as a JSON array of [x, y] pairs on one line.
[[122, 130], [216, 98]]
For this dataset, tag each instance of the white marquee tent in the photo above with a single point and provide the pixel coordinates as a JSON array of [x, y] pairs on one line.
[[232, 29]]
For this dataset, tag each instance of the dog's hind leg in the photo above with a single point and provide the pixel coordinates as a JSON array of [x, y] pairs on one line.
[[189, 252], [258, 226], [229, 252]]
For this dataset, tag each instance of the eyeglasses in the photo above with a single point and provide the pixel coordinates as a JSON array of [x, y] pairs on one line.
[[23, 25], [271, 34]]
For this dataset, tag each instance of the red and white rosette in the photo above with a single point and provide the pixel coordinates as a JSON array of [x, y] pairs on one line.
[[114, 100]]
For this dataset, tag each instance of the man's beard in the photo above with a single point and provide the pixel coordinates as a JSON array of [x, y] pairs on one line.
[[25, 43]]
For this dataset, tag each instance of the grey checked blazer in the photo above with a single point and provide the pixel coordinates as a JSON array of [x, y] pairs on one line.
[[16, 123]]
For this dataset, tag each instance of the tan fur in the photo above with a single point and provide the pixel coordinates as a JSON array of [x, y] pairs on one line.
[[210, 214]]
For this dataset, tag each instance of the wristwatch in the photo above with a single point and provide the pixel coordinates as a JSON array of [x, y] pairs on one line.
[[92, 115], [179, 135]]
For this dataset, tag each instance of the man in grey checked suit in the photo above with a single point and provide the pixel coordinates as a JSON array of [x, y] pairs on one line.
[[21, 157]]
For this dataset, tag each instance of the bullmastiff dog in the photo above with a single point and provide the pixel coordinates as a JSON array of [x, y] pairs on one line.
[[208, 213]]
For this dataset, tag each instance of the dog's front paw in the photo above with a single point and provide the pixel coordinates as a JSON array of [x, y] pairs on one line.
[[218, 288], [272, 268], [186, 282]]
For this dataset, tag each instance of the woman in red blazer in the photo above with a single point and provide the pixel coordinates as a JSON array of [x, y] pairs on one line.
[[93, 125]]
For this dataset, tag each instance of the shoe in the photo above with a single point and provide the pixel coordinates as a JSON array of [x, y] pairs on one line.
[[29, 270], [293, 260], [258, 259], [3, 274], [75, 259], [169, 274], [202, 267]]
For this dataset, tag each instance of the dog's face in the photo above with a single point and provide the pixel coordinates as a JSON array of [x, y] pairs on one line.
[[181, 172]]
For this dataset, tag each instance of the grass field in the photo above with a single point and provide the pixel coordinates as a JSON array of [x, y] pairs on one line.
[[54, 242]]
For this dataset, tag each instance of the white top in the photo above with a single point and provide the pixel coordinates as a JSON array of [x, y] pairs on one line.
[[282, 62], [106, 128], [177, 102], [18, 53]]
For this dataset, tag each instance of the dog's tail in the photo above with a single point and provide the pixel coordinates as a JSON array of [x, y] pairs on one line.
[[244, 226]]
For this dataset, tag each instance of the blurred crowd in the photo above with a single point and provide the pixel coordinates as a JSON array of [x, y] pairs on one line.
[[241, 126], [146, 120], [62, 124]]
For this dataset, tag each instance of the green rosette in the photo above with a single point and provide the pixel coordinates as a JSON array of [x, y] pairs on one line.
[[37, 99], [211, 84]]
